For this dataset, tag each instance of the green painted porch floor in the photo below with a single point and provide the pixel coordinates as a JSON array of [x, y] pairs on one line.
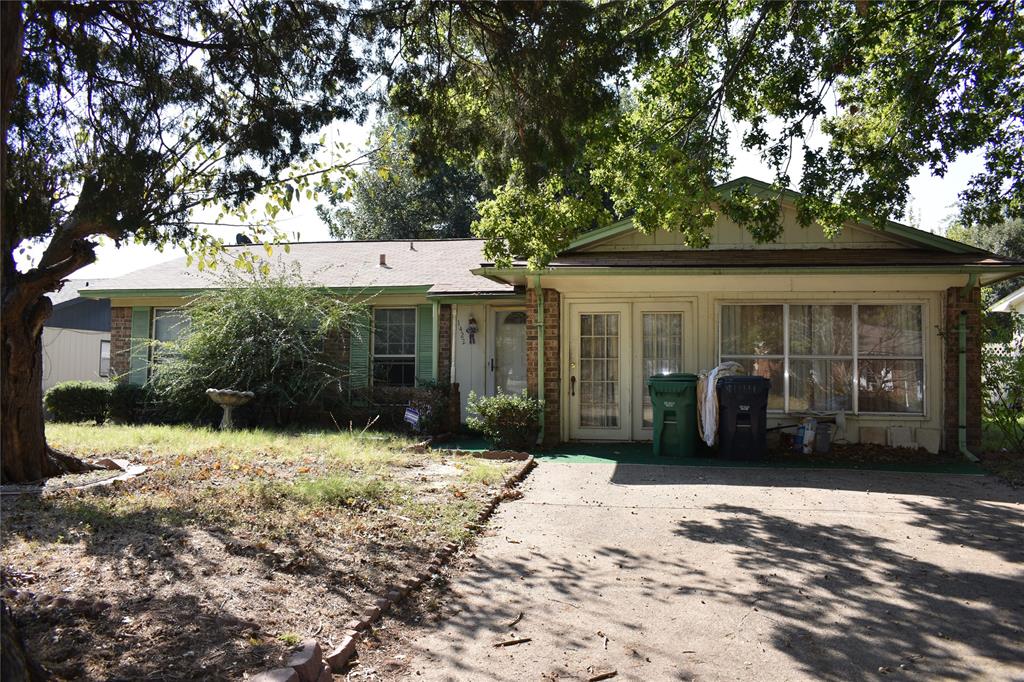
[[640, 453]]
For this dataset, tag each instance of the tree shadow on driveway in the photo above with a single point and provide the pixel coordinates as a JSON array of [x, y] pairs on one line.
[[846, 602]]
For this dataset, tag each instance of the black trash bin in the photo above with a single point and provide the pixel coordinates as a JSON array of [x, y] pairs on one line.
[[742, 417]]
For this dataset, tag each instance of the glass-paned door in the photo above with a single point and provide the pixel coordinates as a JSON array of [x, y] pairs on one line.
[[662, 339], [508, 357], [599, 361]]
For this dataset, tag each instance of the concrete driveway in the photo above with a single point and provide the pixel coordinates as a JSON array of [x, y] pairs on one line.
[[682, 573]]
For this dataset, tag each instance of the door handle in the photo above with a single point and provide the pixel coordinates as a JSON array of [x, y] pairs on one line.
[[572, 386], [492, 364]]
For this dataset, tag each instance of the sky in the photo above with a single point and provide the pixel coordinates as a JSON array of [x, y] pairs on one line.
[[933, 200]]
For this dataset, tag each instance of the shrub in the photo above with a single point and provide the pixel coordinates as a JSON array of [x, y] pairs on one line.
[[266, 334], [387, 405], [78, 401], [128, 403], [1003, 386], [508, 421]]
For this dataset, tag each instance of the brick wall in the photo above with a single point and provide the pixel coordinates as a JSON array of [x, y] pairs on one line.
[[120, 340], [444, 344], [552, 359], [957, 301]]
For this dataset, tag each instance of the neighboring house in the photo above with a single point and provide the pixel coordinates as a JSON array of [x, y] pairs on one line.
[[1013, 302], [76, 337], [867, 323]]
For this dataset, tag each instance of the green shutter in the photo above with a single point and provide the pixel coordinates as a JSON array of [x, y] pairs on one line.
[[424, 343], [359, 351], [139, 345]]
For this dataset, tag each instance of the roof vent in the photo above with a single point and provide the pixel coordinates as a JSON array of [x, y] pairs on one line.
[[383, 260], [411, 247]]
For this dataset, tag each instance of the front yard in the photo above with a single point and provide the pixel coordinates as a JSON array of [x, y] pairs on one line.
[[229, 549]]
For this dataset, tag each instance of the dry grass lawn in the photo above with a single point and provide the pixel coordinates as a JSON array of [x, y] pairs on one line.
[[228, 550]]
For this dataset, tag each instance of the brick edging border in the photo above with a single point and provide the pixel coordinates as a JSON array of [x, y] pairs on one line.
[[309, 664]]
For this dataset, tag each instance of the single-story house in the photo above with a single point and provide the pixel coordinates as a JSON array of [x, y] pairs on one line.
[[76, 337], [1013, 302], [868, 323]]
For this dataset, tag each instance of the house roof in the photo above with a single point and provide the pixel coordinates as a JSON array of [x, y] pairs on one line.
[[71, 290], [435, 267]]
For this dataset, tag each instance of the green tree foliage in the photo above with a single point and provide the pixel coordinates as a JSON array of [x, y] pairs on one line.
[[633, 102], [1005, 238], [392, 198], [259, 333], [120, 118]]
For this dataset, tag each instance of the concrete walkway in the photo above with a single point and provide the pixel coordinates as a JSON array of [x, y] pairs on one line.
[[671, 573]]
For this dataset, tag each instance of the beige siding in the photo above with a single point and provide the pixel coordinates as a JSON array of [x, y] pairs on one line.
[[71, 355], [726, 234], [704, 295]]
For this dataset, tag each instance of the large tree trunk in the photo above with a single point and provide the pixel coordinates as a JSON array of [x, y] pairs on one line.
[[25, 455]]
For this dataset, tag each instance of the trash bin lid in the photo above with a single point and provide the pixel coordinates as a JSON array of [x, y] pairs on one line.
[[673, 377]]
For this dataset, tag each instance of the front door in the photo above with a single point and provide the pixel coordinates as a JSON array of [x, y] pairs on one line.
[[507, 363], [599, 385]]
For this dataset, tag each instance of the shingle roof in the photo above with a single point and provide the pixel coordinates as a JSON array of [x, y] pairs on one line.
[[442, 265], [70, 290]]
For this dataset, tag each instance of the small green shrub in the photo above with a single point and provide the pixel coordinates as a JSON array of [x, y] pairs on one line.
[[78, 401], [508, 421], [127, 403]]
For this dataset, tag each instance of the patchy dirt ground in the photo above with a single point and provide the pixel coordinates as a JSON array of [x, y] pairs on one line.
[[216, 560]]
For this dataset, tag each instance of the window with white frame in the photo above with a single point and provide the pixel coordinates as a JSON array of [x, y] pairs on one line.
[[394, 346], [824, 357], [104, 358]]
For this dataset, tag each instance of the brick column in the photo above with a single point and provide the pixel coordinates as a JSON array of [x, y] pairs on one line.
[[956, 302], [552, 359], [444, 344], [120, 340]]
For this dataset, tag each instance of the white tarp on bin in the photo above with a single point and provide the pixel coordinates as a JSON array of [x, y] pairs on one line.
[[707, 399]]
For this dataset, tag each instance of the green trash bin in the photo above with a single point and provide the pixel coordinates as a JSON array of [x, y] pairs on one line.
[[674, 397]]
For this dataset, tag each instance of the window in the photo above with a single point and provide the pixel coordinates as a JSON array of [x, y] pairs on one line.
[[168, 325], [752, 335], [812, 353], [394, 346], [104, 358], [890, 353]]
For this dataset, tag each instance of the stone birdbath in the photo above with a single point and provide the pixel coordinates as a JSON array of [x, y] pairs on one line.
[[229, 400]]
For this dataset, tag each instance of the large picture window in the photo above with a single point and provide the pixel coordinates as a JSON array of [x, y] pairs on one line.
[[394, 346], [812, 354]]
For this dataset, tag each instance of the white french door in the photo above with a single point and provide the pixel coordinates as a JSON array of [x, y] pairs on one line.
[[599, 365], [663, 338]]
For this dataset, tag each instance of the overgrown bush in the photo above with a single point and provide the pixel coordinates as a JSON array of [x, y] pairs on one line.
[[508, 421], [78, 401], [128, 403], [267, 334], [1003, 385]]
